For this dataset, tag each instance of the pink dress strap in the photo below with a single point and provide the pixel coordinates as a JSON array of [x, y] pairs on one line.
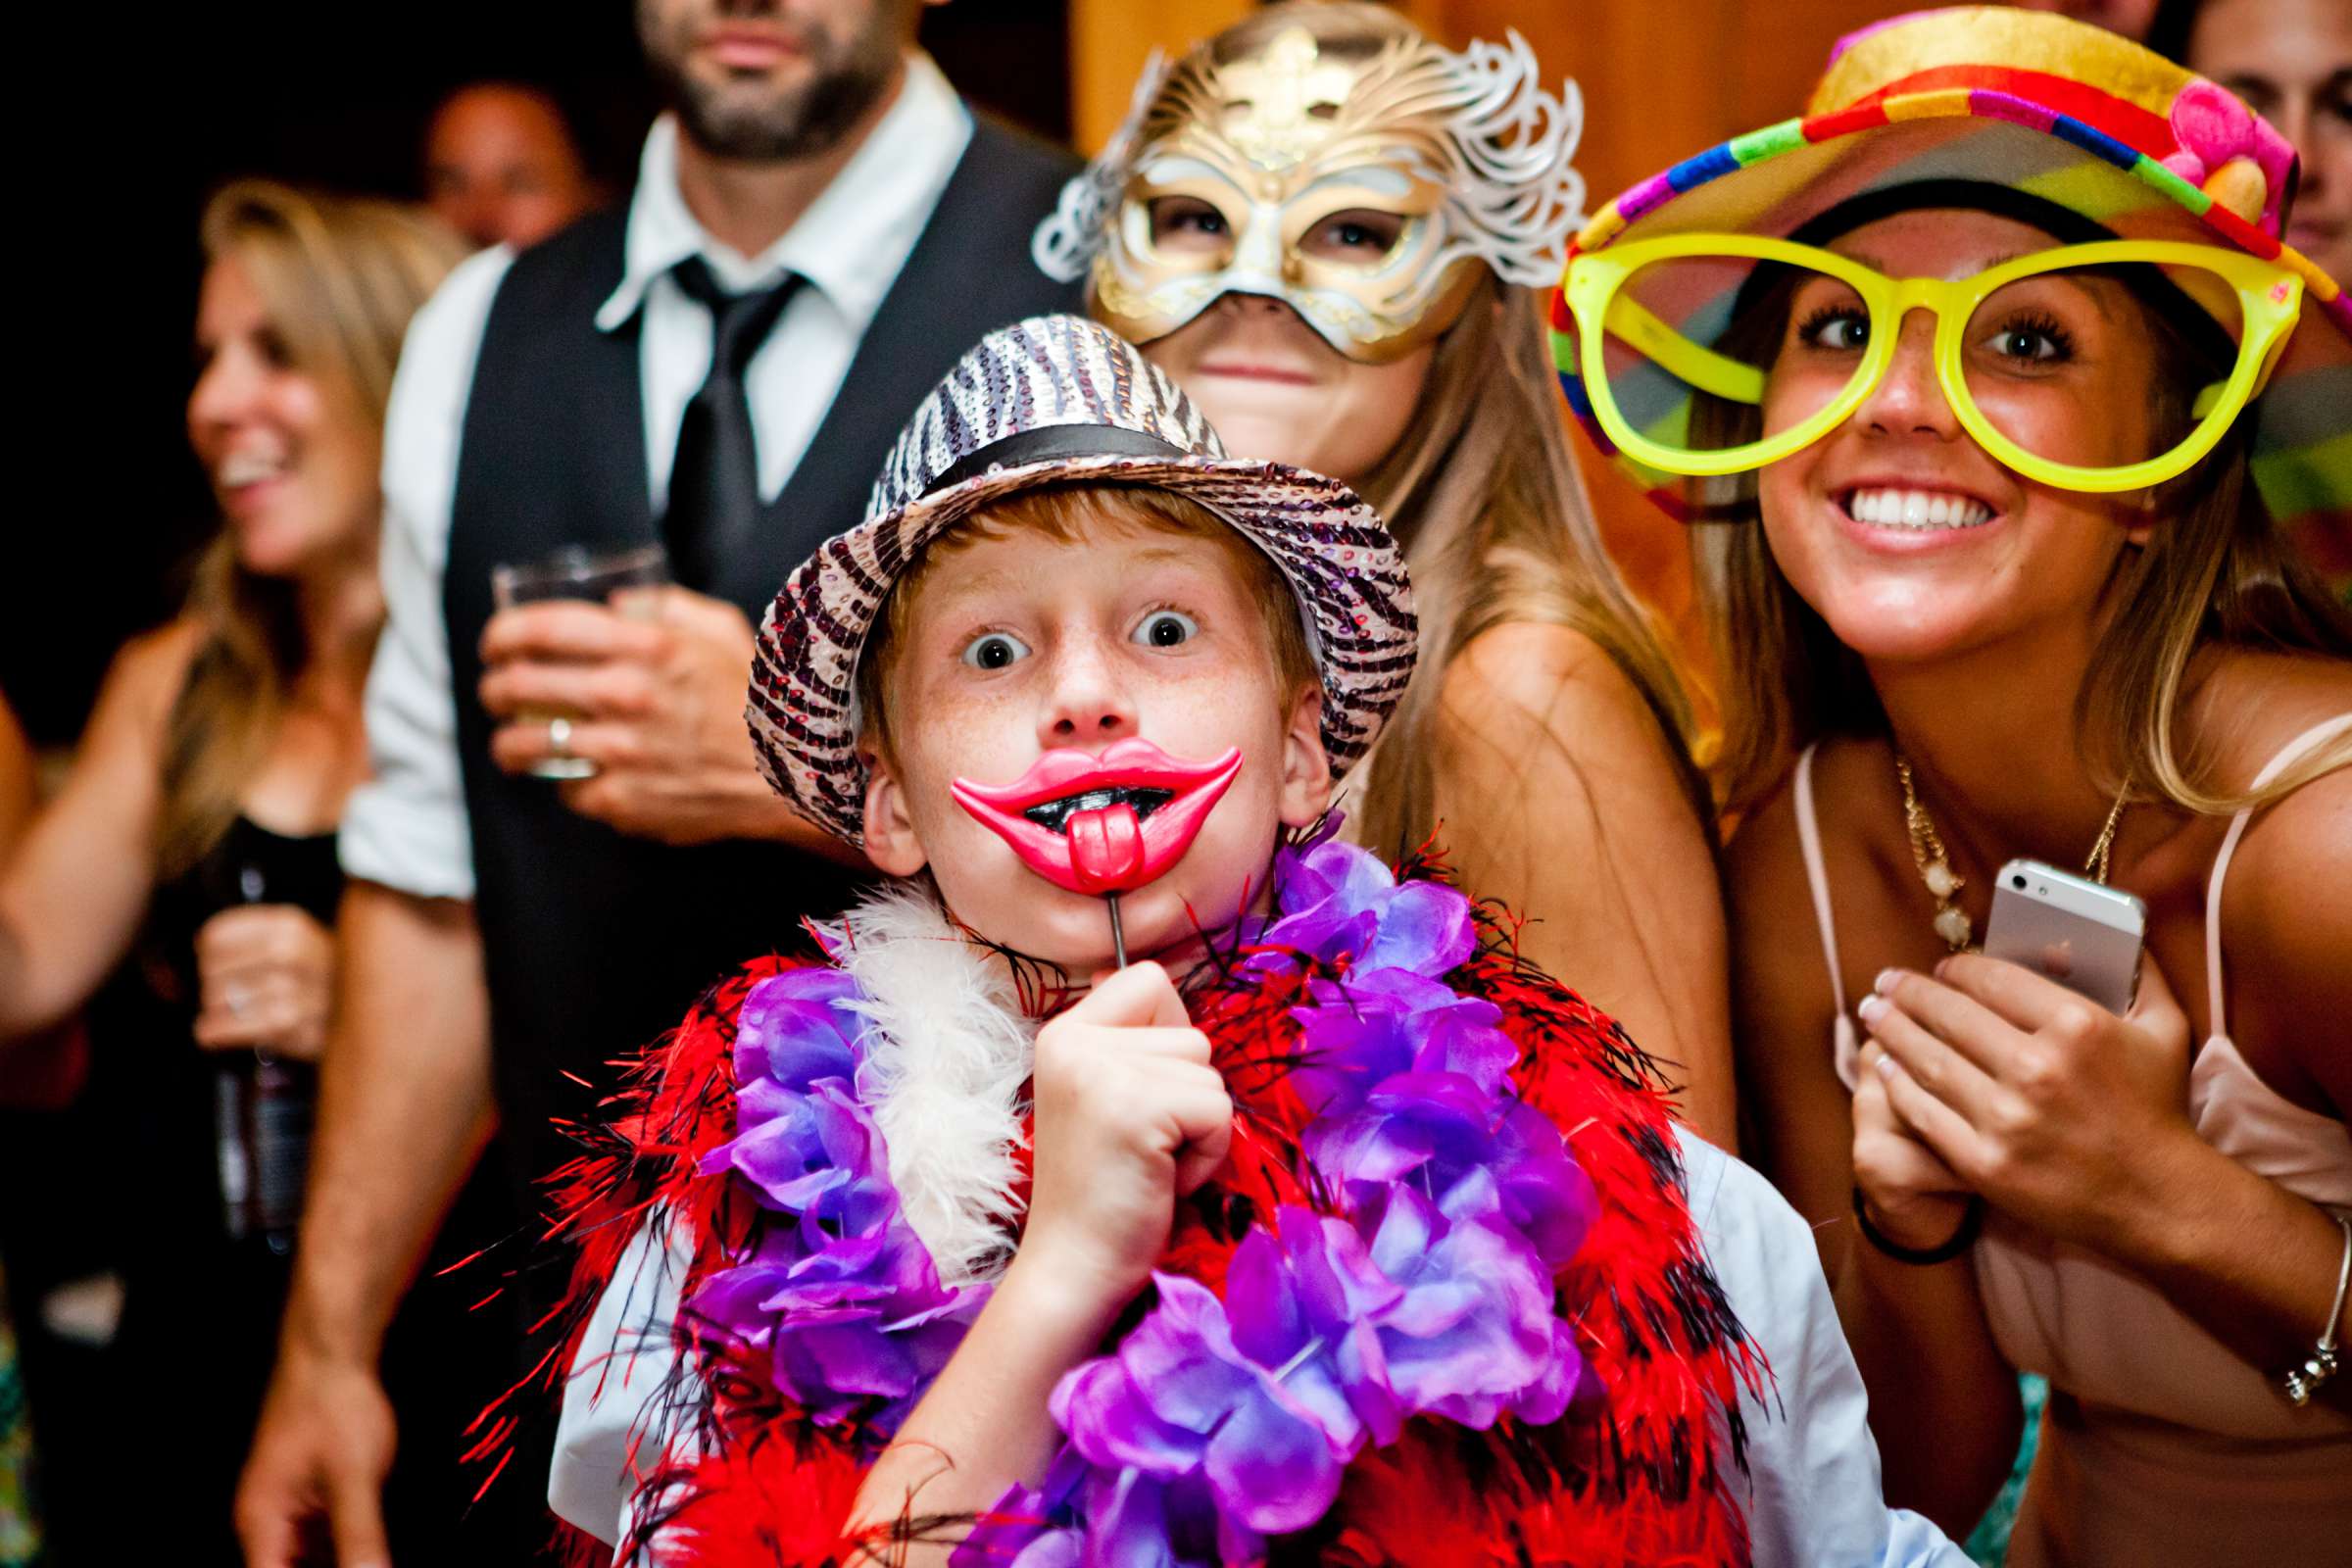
[[1844, 1047], [2286, 757]]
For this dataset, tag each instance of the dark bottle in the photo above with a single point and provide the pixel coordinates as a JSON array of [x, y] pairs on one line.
[[262, 1109]]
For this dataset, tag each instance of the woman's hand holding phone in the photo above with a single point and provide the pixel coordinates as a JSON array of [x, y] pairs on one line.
[[2058, 1111]]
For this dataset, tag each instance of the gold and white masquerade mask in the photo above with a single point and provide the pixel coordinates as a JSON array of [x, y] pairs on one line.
[[1363, 191]]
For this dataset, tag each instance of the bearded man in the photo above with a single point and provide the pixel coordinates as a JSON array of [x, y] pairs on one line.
[[819, 227]]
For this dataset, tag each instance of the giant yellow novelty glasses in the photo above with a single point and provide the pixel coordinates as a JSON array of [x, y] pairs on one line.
[[1714, 353]]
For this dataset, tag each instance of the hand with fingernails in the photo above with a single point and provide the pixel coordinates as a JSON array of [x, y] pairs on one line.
[[1130, 1118], [265, 977], [1987, 1078], [649, 690]]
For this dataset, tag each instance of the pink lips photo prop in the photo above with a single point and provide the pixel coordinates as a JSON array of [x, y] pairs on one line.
[[1102, 824]]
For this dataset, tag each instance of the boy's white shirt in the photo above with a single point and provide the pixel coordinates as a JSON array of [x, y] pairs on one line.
[[1813, 1500]]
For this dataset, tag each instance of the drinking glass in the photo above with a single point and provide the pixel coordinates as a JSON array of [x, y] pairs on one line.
[[593, 572]]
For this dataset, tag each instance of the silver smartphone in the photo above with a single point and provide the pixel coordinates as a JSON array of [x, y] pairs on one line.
[[2080, 933]]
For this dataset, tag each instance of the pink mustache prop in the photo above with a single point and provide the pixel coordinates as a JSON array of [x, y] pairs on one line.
[[1102, 824]]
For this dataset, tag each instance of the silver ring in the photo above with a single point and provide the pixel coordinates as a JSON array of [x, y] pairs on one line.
[[559, 736], [234, 997]]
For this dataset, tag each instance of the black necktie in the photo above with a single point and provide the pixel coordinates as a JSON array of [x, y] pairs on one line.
[[714, 478]]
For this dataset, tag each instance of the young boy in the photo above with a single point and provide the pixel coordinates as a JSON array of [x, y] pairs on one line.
[[1324, 1232]]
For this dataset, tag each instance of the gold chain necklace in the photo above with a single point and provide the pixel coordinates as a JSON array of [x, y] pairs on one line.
[[1943, 884]]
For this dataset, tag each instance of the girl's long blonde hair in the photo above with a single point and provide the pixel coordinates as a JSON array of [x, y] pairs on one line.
[[339, 277], [1482, 494]]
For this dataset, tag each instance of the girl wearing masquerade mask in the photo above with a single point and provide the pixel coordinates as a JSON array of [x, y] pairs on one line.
[[1328, 230], [1958, 369]]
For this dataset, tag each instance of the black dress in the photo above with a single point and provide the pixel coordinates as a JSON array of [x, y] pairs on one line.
[[201, 1305]]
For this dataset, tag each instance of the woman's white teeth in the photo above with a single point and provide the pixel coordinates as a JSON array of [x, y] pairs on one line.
[[250, 468], [1917, 509]]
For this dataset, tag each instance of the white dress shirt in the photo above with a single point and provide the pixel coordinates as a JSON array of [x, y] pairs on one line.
[[1813, 1498], [406, 827]]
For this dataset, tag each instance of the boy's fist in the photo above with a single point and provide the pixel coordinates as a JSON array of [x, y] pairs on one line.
[[1130, 1117]]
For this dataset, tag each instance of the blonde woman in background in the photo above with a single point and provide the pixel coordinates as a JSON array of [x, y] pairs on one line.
[[198, 821], [1330, 232]]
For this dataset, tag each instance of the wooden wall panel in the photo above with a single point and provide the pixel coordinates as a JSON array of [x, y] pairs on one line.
[[1109, 41], [1665, 78], [1662, 78]]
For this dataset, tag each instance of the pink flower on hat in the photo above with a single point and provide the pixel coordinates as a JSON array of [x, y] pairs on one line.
[[2231, 153]]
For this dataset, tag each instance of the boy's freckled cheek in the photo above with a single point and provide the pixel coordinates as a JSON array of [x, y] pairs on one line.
[[958, 741]]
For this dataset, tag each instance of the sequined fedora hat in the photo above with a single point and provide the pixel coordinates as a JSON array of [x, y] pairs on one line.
[[2106, 137], [1056, 400]]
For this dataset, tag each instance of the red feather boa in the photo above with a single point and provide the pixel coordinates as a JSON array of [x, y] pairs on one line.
[[1643, 1478]]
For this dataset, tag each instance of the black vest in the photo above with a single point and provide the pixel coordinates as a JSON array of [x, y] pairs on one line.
[[593, 943]]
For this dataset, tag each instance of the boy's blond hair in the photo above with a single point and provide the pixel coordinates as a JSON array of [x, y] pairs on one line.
[[1062, 513]]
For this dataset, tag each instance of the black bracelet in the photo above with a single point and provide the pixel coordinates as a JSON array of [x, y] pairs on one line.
[[1972, 1221]]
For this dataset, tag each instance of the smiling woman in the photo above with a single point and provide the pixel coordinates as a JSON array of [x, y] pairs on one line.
[[1957, 373], [298, 330], [198, 821]]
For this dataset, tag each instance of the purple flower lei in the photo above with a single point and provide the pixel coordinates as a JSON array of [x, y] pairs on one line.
[[838, 1290], [1215, 1423]]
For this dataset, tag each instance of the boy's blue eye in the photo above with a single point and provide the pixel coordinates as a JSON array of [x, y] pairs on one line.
[[995, 650], [1167, 629]]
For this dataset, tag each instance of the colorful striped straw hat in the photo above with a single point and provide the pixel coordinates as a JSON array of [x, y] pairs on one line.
[[2110, 139], [1060, 400]]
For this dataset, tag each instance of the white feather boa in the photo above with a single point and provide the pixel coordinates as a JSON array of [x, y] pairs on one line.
[[946, 1055]]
